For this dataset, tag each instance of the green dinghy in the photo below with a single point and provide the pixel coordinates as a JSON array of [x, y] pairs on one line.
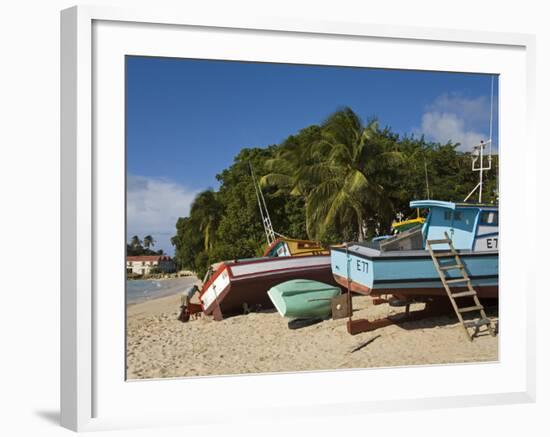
[[302, 298]]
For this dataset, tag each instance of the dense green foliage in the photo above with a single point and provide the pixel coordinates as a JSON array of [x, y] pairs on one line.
[[341, 181]]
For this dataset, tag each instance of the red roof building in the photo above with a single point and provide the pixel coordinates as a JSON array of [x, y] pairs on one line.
[[142, 265]]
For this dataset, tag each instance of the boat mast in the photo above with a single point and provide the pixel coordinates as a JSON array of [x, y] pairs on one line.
[[478, 153], [266, 220], [426, 175]]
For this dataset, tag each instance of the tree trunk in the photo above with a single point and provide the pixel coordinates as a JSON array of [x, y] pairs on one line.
[[360, 234]]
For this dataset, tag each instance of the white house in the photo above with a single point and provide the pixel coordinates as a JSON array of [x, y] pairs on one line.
[[142, 265]]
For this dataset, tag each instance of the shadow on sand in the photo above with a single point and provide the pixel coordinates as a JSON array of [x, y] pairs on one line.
[[443, 320]]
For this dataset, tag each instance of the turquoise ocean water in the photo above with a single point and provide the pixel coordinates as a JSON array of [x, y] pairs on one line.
[[141, 290]]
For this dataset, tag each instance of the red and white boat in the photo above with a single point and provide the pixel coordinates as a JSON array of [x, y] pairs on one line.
[[232, 287]]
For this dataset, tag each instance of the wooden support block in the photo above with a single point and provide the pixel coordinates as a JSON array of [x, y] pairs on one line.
[[340, 307], [363, 325], [380, 301]]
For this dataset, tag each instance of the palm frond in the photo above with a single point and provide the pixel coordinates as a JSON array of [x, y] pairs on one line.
[[276, 180], [341, 154]]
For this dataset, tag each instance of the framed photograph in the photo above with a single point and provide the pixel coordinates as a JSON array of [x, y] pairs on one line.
[[282, 207]]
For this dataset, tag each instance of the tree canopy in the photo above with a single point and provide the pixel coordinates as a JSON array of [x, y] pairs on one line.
[[341, 181], [137, 247]]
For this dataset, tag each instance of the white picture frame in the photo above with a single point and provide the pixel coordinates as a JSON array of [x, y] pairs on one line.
[[91, 389]]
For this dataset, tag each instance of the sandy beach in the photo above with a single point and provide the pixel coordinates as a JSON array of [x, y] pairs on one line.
[[159, 345]]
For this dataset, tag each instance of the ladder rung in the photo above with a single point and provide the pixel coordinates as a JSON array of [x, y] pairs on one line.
[[463, 294], [468, 309], [444, 254], [455, 281], [454, 266], [476, 323], [443, 241]]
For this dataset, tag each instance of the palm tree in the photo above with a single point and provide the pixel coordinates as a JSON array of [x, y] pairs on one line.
[[148, 241], [206, 211], [135, 242], [288, 169], [346, 190]]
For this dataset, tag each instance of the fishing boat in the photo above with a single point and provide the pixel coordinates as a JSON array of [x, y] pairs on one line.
[[402, 265], [405, 225], [301, 298], [455, 247], [233, 287], [293, 247]]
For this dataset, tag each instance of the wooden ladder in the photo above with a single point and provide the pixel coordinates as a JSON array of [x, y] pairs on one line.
[[465, 281]]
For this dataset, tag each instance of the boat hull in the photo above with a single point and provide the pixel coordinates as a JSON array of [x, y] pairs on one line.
[[239, 285], [426, 290], [303, 298], [410, 273]]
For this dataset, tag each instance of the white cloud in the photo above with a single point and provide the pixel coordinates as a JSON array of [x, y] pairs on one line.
[[153, 206], [444, 127], [473, 109], [457, 119]]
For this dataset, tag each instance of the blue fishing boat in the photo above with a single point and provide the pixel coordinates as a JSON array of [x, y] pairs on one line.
[[402, 265]]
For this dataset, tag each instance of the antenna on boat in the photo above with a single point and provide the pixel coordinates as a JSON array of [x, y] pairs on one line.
[[478, 153], [266, 220]]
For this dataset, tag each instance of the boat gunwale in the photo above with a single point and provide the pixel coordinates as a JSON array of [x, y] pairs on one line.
[[268, 272], [403, 254], [263, 259]]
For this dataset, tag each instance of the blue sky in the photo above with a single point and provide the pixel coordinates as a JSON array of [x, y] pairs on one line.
[[187, 119]]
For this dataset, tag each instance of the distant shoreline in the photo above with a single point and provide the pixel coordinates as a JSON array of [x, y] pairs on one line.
[[146, 290], [161, 276]]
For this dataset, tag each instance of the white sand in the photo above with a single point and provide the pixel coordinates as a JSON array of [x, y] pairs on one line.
[[161, 346]]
